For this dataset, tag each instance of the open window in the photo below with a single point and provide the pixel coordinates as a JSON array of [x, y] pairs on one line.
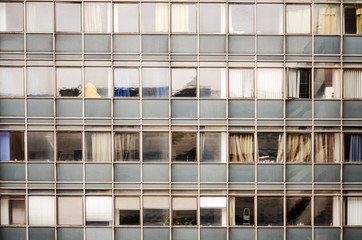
[[127, 211], [184, 211], [299, 83], [353, 20], [12, 211], [213, 211]]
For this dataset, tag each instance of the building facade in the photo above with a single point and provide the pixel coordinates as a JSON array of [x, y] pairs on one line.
[[182, 120]]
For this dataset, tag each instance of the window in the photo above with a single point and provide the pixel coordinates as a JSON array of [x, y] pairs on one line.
[[212, 18], [127, 211], [326, 211], [270, 211], [39, 16], [353, 19], [40, 146], [97, 17], [327, 147], [125, 17], [155, 17], [70, 210], [155, 147], [270, 146], [184, 146], [156, 211], [11, 81], [269, 83], [69, 82], [241, 19], [241, 83], [68, 17], [126, 82], [12, 17], [352, 82], [155, 82], [41, 210], [98, 146], [327, 83], [97, 82], [213, 147], [213, 211], [184, 211], [298, 19], [98, 211], [11, 146], [353, 205], [184, 82], [299, 147], [12, 211], [183, 18], [241, 211], [299, 211], [69, 146], [299, 83], [269, 19], [241, 147], [40, 81], [126, 146], [212, 83], [353, 147], [326, 19]]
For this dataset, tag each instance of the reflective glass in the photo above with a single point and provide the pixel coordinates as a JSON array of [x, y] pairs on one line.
[[241, 19], [69, 82], [40, 81], [40, 146], [11, 81], [98, 82], [155, 82], [183, 18], [155, 17], [12, 16], [68, 17], [184, 82], [126, 82], [212, 18], [39, 16], [125, 17], [212, 83]]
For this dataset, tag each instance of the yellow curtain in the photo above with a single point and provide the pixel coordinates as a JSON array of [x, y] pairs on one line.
[[299, 148], [327, 20], [359, 20], [241, 148]]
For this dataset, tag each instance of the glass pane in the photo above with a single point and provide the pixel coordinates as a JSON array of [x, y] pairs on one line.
[[98, 211], [212, 173], [69, 146], [298, 44], [155, 173], [270, 109], [69, 172], [184, 173], [327, 83], [12, 211], [270, 173], [12, 42], [270, 211], [326, 211], [352, 217], [241, 44], [11, 146], [327, 45], [212, 83], [11, 82], [241, 83], [212, 44], [299, 148], [155, 211], [298, 19], [327, 234], [12, 17], [155, 147], [40, 146], [299, 83], [270, 44], [299, 233], [184, 82], [126, 108], [299, 173], [327, 173], [39, 16], [299, 211], [70, 210], [127, 211], [299, 109], [69, 107], [353, 147], [212, 109], [40, 172], [39, 43], [271, 147], [98, 146], [40, 108], [155, 82], [241, 147], [98, 233], [11, 233], [183, 18], [213, 211], [155, 108], [41, 233], [68, 17], [241, 108], [327, 109], [327, 19], [97, 43], [68, 43], [184, 146], [213, 234], [327, 147], [40, 81], [41, 210], [351, 44], [69, 82], [126, 82], [351, 173], [270, 234], [269, 19], [12, 172], [127, 173], [184, 211], [241, 233], [352, 80], [156, 233], [155, 17], [184, 108], [125, 17], [212, 18], [183, 44], [12, 107], [213, 147], [70, 233], [351, 109], [241, 173], [184, 233], [269, 83], [126, 146], [97, 17], [126, 43], [97, 108], [97, 82], [154, 44], [241, 211], [128, 233], [241, 19]]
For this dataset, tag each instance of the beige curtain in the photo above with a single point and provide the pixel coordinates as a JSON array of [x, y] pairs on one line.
[[299, 148], [232, 211], [101, 147], [241, 147], [298, 19], [359, 20], [326, 147], [280, 148], [327, 20], [126, 146]]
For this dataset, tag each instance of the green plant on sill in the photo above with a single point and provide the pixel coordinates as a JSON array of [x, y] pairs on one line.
[[165, 221], [186, 221]]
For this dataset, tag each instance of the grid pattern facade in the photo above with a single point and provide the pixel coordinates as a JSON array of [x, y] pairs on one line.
[[155, 120]]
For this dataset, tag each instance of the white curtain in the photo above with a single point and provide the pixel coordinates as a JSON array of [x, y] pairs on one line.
[[180, 18], [269, 83], [161, 21], [99, 209], [293, 83], [352, 83], [298, 19], [97, 17], [101, 147], [354, 211], [336, 211], [41, 210], [241, 83]]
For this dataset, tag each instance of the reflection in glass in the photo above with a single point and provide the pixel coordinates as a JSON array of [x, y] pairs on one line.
[[241, 83], [183, 18], [327, 147], [184, 146], [12, 210], [98, 211], [11, 81], [97, 17], [69, 146], [241, 18], [352, 82], [299, 148], [299, 211], [126, 146], [68, 17], [213, 147], [241, 147], [326, 211], [125, 17], [353, 147], [212, 18], [155, 147], [299, 83], [326, 19], [269, 19], [40, 146], [269, 83], [11, 146], [127, 211], [298, 19], [69, 82], [70, 210], [97, 82], [155, 17], [270, 146], [184, 211], [213, 211], [98, 146], [12, 16], [39, 16], [40, 81], [156, 211], [184, 82], [126, 82], [241, 211], [327, 83], [155, 82], [270, 211], [212, 83]]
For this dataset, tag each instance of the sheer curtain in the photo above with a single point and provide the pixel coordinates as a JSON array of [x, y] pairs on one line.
[[241, 147], [180, 18], [355, 148], [354, 209], [298, 19], [293, 83], [41, 210], [299, 148], [97, 17], [269, 83], [161, 20], [327, 19], [327, 147], [101, 143], [352, 83], [98, 211], [232, 211], [336, 211], [241, 83], [126, 147]]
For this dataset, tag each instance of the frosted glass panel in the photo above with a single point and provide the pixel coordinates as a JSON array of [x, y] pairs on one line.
[[11, 17], [39, 43], [11, 81], [68, 17], [40, 81], [39, 17]]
